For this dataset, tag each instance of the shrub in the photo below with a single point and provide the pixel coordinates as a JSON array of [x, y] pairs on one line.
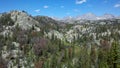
[[6, 20], [39, 64], [3, 63], [40, 46]]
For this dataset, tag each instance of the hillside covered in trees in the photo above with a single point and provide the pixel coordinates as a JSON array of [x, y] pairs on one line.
[[42, 42]]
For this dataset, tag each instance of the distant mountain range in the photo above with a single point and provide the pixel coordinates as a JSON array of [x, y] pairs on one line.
[[88, 16]]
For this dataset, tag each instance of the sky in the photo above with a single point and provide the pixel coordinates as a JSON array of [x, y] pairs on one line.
[[62, 8]]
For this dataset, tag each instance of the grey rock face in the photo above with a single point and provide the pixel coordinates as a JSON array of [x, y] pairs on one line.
[[23, 20]]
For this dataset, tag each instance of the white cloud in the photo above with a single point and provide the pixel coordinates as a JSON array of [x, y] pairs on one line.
[[37, 10], [45, 6], [62, 6], [80, 1], [117, 5]]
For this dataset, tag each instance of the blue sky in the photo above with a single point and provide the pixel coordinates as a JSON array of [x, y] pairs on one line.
[[62, 8]]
